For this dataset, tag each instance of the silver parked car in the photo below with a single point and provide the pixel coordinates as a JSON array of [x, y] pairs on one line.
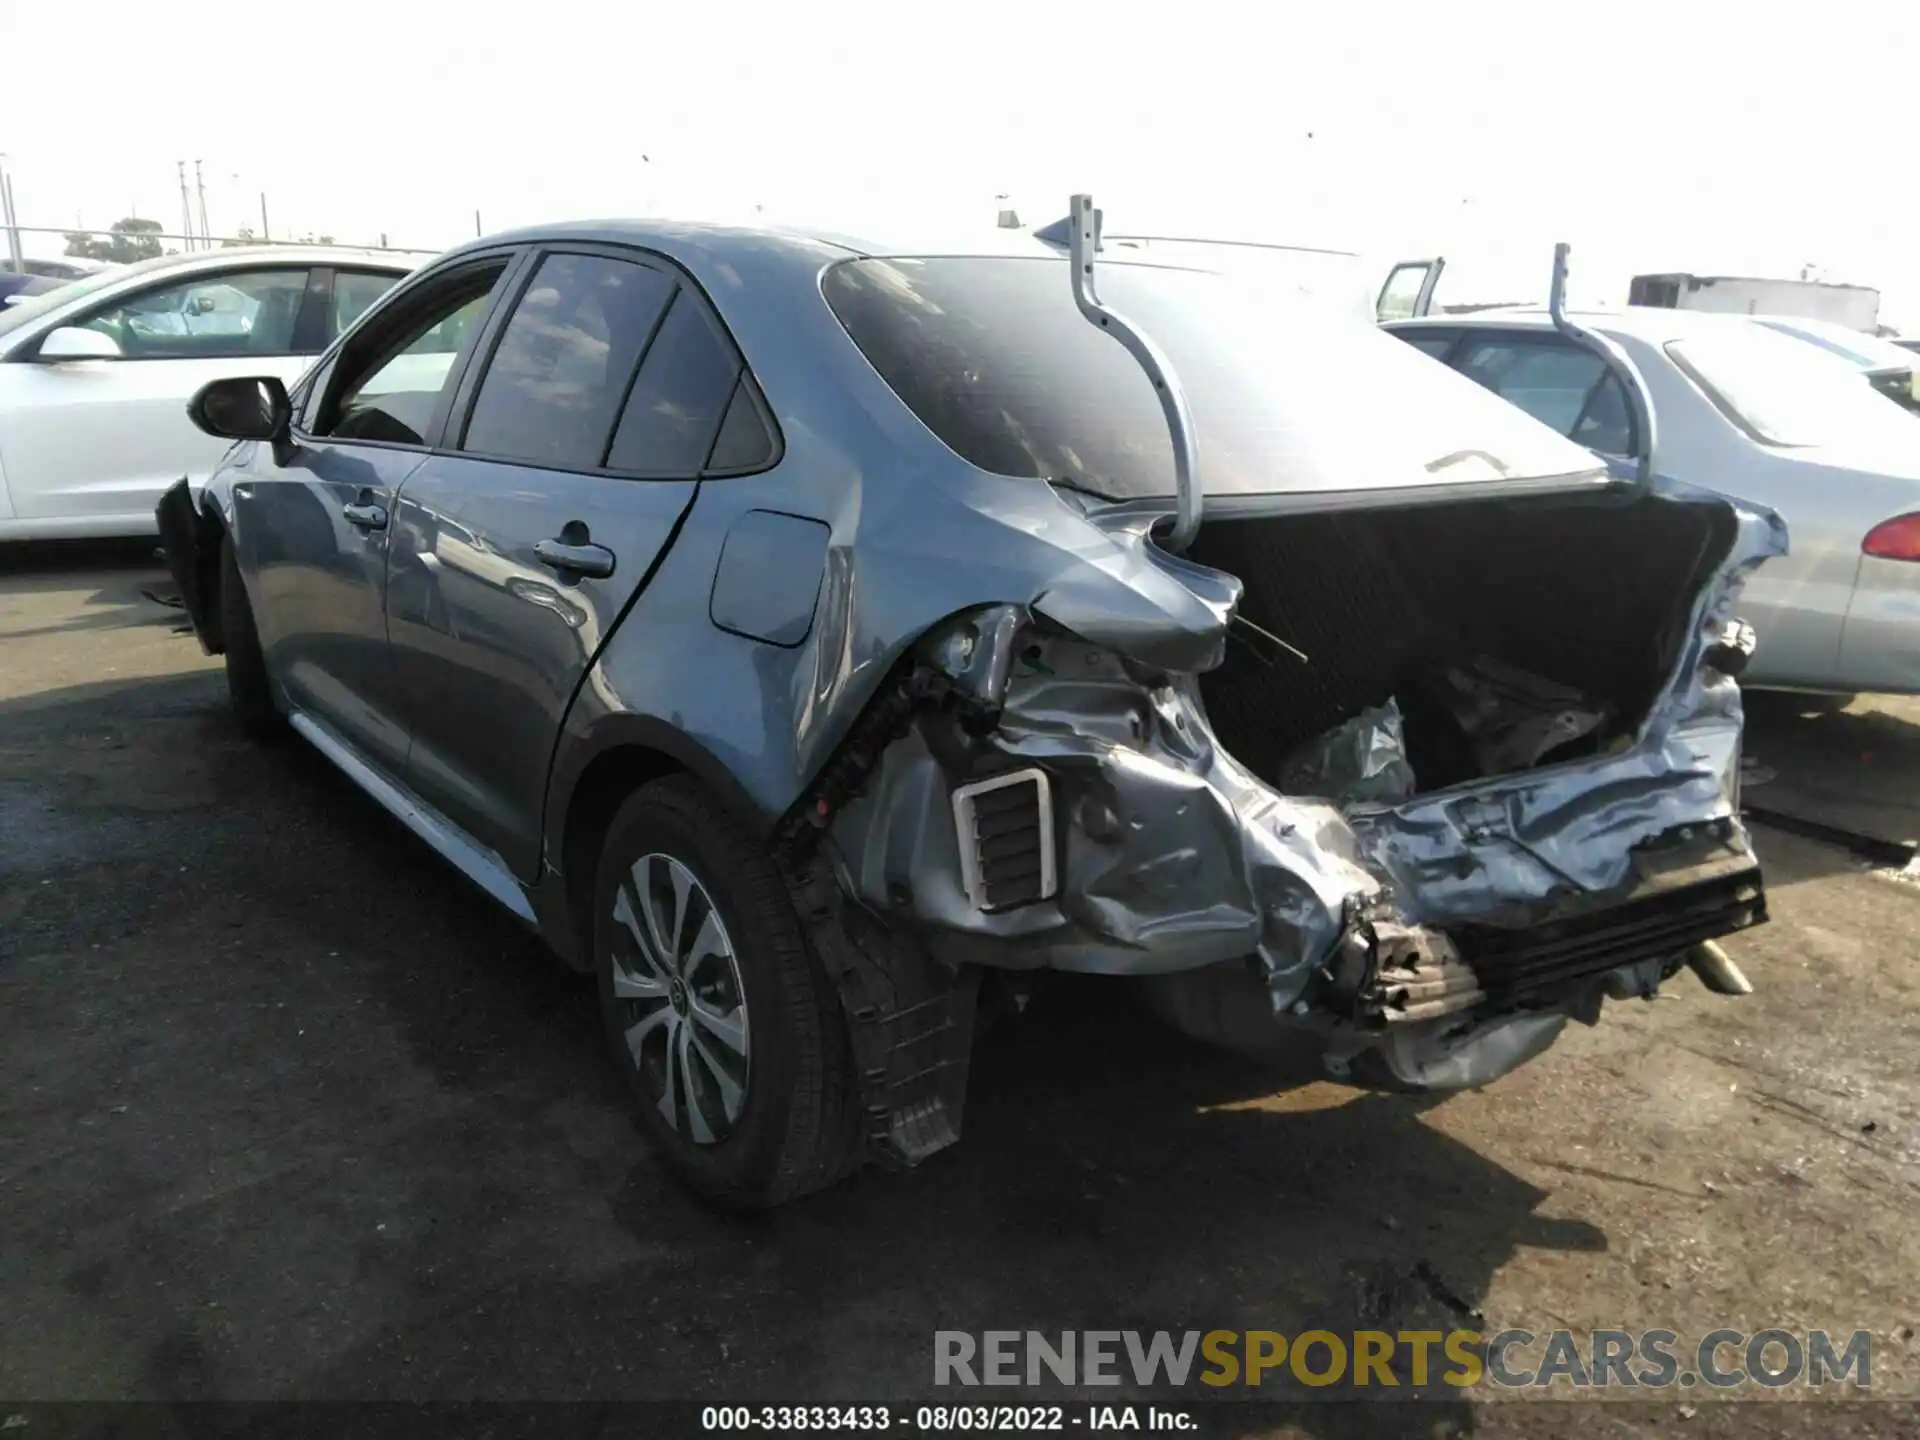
[[1748, 411], [1882, 364], [798, 633]]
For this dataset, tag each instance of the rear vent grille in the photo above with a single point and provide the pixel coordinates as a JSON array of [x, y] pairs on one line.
[[1005, 830]]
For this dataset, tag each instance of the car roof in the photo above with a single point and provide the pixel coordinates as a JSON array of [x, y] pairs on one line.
[[1651, 323], [1657, 325], [718, 240], [192, 261]]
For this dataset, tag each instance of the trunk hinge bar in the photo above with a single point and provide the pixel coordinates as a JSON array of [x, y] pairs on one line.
[[1615, 359], [1083, 242]]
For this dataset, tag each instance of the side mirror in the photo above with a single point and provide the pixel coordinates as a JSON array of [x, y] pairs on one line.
[[74, 342], [250, 408]]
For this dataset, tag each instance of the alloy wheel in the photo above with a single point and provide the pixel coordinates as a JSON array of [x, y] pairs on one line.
[[683, 1008]]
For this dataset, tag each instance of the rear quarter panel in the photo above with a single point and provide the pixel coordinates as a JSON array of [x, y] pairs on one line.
[[914, 534], [1880, 648]]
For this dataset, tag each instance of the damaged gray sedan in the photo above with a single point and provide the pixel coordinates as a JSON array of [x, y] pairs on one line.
[[796, 632]]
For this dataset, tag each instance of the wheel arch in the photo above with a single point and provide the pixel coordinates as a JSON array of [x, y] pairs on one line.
[[592, 778], [211, 528], [191, 536]]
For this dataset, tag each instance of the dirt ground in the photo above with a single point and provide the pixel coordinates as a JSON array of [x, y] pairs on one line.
[[288, 1111]]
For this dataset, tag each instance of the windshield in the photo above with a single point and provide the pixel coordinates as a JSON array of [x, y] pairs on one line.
[[1785, 393], [996, 360]]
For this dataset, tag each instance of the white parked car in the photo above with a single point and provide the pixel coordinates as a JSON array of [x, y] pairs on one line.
[[95, 376], [1745, 410]]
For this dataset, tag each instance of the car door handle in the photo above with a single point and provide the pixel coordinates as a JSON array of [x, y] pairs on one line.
[[593, 561], [366, 514]]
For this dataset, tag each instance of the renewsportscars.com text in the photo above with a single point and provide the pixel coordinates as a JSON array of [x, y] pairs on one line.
[[1512, 1359]]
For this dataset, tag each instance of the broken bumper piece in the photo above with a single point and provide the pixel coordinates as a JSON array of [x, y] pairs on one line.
[[1082, 819], [1042, 797], [1539, 954]]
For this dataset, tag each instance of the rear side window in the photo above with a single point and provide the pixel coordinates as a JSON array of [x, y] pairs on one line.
[[680, 396], [1570, 389], [560, 371], [744, 441]]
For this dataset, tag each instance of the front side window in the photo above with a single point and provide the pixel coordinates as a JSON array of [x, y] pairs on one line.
[[207, 317], [992, 356], [1571, 389], [389, 380], [561, 369]]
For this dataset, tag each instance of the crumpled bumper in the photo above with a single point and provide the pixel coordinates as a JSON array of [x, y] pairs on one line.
[[1172, 857]]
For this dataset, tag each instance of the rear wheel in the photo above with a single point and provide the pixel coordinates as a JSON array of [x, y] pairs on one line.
[[731, 1039], [247, 684]]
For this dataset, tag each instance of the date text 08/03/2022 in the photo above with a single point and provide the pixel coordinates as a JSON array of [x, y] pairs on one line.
[[941, 1419]]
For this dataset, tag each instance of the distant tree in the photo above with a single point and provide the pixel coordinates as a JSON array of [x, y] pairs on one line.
[[245, 237], [312, 239], [128, 240]]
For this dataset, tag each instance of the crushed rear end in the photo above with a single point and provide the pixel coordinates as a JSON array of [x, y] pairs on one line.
[[1407, 771], [1501, 787]]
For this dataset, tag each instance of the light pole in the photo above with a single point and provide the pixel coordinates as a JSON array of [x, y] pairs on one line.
[[200, 187], [12, 220], [186, 205]]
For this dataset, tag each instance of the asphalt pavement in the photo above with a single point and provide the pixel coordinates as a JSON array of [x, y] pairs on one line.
[[289, 1111]]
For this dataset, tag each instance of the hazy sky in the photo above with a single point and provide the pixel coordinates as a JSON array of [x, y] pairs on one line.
[[1652, 136]]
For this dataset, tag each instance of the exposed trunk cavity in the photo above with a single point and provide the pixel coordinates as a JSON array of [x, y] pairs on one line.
[[1494, 636]]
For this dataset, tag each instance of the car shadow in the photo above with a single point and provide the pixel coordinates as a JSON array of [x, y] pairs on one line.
[[1113, 1175], [131, 584], [59, 560], [1855, 772], [438, 1190], [104, 701]]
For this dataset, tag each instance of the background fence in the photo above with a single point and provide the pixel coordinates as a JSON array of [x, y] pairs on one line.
[[120, 245]]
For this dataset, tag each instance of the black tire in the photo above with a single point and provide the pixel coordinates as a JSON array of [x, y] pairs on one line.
[[796, 1128], [247, 684]]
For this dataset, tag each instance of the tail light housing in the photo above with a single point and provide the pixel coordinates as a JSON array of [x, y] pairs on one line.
[[1895, 539]]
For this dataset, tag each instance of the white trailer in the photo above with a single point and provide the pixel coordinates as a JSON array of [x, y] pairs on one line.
[[1855, 306]]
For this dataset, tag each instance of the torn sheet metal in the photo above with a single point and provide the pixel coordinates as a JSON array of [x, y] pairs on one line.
[[1572, 829], [1174, 858], [1364, 758], [1510, 718]]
